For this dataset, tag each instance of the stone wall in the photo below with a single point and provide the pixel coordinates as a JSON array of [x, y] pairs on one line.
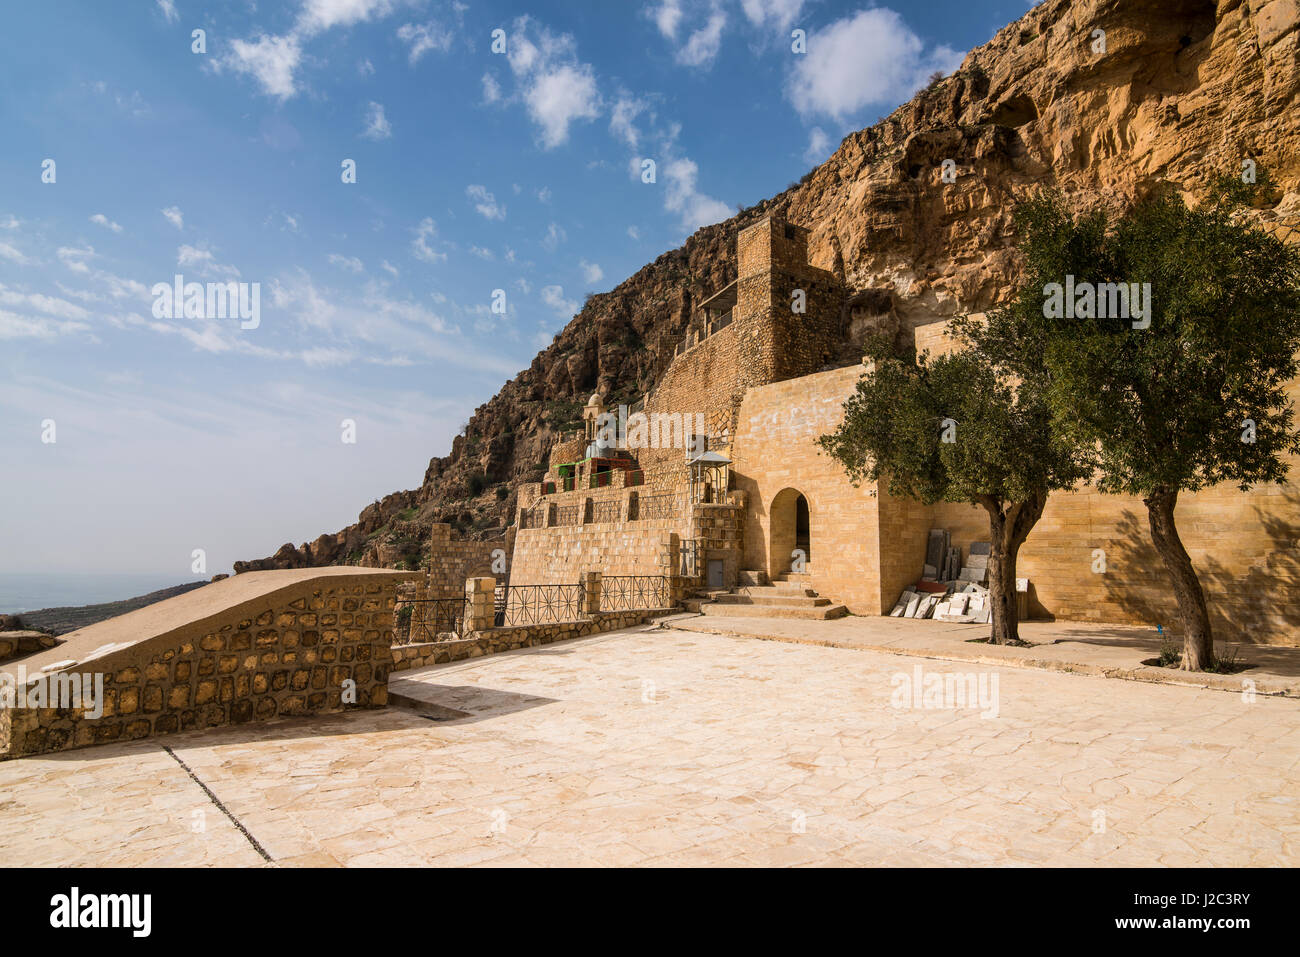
[[559, 556], [256, 646], [776, 456], [15, 644], [866, 547], [452, 561], [718, 531], [765, 342], [495, 640]]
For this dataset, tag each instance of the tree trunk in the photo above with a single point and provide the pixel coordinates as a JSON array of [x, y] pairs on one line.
[[1008, 530], [1198, 640]]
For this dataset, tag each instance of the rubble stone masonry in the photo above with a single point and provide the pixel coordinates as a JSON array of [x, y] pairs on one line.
[[253, 647]]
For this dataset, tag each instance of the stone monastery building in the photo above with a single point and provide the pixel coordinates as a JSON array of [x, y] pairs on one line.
[[716, 480]]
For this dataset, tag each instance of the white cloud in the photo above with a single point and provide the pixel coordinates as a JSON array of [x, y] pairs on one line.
[[485, 202], [702, 47], [271, 61], [780, 14], [11, 253], [491, 89], [100, 219], [49, 305], [555, 235], [168, 9], [558, 90], [870, 58], [633, 233], [74, 257], [420, 247], [14, 326], [667, 16], [819, 146], [553, 296], [365, 67], [9, 222], [350, 263], [682, 197], [544, 194], [423, 37], [201, 260], [591, 272], [482, 253], [560, 97], [377, 125], [389, 267], [319, 15], [175, 216], [621, 119]]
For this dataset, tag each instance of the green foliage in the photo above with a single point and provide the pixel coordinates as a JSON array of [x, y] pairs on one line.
[[1162, 408], [1005, 445], [475, 484]]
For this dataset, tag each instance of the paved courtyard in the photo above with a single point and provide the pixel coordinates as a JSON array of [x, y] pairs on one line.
[[654, 746]]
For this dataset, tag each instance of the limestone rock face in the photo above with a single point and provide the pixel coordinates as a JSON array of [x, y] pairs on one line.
[[1184, 90]]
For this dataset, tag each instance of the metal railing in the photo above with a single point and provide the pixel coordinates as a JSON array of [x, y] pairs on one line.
[[537, 604], [566, 515], [650, 507], [634, 592], [533, 517], [607, 511], [432, 619], [690, 559]]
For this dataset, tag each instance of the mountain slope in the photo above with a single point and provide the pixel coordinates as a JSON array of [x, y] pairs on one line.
[[1184, 90]]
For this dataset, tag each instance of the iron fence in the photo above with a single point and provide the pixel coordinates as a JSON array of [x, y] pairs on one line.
[[534, 517], [432, 619], [566, 515], [650, 507], [690, 559], [634, 592], [605, 511], [537, 604]]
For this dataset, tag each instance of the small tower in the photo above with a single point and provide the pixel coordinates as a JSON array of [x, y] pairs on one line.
[[591, 414]]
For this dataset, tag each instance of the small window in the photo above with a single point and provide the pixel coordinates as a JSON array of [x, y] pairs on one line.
[[789, 232]]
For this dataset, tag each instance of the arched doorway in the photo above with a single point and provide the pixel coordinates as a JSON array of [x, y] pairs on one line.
[[790, 528]]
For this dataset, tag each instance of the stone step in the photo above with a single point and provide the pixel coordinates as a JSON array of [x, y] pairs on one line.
[[804, 576], [733, 610], [752, 576], [801, 601], [791, 588]]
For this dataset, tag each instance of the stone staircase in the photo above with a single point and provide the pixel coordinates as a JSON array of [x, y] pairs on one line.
[[789, 596]]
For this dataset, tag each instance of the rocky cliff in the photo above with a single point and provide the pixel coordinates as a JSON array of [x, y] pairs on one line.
[[1175, 91]]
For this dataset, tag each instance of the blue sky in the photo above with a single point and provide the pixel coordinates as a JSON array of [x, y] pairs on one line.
[[475, 171]]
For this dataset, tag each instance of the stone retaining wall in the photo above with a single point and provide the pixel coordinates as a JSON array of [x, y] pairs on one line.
[[15, 644], [250, 648], [492, 641]]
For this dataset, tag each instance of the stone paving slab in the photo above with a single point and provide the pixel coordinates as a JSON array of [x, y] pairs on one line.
[[1107, 651], [672, 747]]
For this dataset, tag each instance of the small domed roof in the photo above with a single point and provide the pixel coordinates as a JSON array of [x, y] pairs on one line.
[[595, 399]]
